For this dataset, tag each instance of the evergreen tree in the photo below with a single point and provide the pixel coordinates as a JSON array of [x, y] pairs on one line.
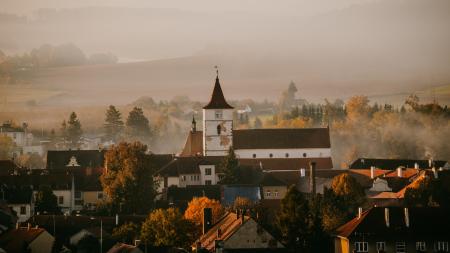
[[292, 220], [74, 131], [230, 167], [137, 124], [46, 201], [113, 123], [64, 130]]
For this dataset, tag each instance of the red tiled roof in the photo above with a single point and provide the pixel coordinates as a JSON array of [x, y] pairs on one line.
[[15, 240], [281, 138], [406, 173], [228, 225], [193, 145]]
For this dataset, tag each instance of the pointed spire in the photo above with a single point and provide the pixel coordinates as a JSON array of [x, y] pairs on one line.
[[194, 124], [217, 98]]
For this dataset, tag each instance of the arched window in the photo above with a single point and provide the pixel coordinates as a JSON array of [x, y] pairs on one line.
[[219, 129], [270, 155], [287, 155], [254, 155], [304, 154]]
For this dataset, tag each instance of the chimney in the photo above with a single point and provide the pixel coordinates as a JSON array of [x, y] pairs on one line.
[[435, 173], [242, 216], [117, 219], [237, 214], [302, 172], [359, 212], [372, 172], [416, 166], [207, 219], [430, 163], [312, 179], [406, 217], [17, 225], [28, 226], [399, 172], [386, 216]]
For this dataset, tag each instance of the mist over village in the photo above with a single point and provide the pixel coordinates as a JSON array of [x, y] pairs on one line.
[[225, 127]]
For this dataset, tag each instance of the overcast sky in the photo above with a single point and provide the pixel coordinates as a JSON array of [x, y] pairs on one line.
[[273, 7]]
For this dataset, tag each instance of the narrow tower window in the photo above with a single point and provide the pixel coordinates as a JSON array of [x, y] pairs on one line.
[[219, 129]]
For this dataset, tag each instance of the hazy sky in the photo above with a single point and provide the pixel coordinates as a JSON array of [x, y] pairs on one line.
[[273, 7]]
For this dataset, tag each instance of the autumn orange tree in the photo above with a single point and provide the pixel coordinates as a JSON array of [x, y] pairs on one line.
[[128, 181], [194, 212]]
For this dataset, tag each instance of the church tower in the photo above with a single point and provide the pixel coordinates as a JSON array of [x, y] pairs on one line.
[[217, 124]]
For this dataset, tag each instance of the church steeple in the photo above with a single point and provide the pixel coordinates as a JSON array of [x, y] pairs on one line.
[[194, 124], [217, 98]]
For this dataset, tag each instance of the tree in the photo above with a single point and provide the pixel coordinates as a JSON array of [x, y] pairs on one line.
[[137, 124], [194, 211], [88, 244], [419, 193], [74, 131], [113, 123], [242, 203], [357, 108], [292, 220], [230, 167], [6, 147], [167, 227], [32, 161], [128, 180], [46, 201], [126, 233]]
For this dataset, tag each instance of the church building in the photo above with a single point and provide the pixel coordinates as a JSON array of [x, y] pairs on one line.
[[272, 150]]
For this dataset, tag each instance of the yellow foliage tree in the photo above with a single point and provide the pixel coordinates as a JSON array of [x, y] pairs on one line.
[[194, 212]]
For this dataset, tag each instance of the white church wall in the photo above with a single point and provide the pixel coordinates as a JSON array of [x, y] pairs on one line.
[[215, 144], [281, 153]]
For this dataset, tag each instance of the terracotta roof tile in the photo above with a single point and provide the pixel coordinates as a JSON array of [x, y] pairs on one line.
[[16, 239]]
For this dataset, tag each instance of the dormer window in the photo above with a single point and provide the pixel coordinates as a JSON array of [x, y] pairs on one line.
[[219, 129], [219, 114]]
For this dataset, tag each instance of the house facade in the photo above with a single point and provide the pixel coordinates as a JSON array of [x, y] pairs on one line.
[[395, 229]]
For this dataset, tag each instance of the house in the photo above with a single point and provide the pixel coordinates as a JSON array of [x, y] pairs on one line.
[[28, 239], [272, 187], [188, 171], [19, 199], [236, 231], [395, 229], [17, 134], [81, 159], [95, 232]]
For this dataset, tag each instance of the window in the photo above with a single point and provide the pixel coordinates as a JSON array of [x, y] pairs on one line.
[[275, 193], [362, 246], [400, 247], [23, 210], [77, 194], [268, 193], [99, 195], [219, 129], [60, 200], [208, 171], [254, 155], [287, 155], [219, 114], [381, 246], [183, 178], [270, 155], [304, 154], [421, 246], [208, 182], [442, 246]]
